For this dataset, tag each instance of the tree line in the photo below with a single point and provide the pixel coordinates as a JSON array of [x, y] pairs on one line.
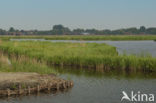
[[61, 30]]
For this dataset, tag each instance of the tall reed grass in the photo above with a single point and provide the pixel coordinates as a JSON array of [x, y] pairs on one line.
[[81, 55], [22, 64]]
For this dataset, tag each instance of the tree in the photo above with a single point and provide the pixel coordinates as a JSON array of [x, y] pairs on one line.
[[12, 29], [2, 32], [60, 29], [151, 31], [142, 29]]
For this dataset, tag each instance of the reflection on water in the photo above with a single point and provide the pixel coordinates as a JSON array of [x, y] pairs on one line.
[[93, 86], [96, 86], [99, 73]]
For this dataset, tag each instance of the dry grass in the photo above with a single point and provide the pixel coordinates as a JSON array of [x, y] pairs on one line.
[[18, 77]]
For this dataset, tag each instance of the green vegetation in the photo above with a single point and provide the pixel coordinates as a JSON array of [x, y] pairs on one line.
[[22, 64], [84, 37], [61, 30], [81, 55]]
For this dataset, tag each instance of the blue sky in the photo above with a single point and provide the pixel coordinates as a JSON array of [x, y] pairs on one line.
[[99, 14]]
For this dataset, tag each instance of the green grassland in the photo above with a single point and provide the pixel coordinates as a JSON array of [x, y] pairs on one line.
[[80, 55], [83, 37]]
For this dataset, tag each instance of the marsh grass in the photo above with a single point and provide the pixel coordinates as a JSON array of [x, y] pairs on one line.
[[80, 55], [22, 64], [83, 37]]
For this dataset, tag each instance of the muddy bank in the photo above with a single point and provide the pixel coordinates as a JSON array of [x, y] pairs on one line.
[[28, 83]]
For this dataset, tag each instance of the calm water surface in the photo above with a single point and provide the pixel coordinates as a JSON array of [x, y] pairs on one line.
[[93, 86]]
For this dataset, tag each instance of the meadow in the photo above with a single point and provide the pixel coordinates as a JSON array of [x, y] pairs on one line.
[[80, 55], [83, 37]]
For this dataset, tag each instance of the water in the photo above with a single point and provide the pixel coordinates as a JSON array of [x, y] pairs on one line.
[[143, 47], [94, 86], [91, 86]]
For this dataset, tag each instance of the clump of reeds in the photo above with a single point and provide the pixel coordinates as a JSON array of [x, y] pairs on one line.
[[22, 64], [4, 61], [81, 55]]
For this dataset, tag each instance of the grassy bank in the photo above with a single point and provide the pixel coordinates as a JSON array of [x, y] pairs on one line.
[[23, 64], [81, 55], [84, 37]]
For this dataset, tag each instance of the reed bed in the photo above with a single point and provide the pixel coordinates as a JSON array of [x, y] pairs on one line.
[[81, 55], [22, 64], [83, 37]]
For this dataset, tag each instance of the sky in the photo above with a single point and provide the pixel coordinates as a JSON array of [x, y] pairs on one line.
[[98, 14]]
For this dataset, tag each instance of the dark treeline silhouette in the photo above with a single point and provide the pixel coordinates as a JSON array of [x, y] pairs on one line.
[[61, 30]]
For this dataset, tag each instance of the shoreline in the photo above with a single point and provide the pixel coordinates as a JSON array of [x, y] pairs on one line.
[[28, 83]]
